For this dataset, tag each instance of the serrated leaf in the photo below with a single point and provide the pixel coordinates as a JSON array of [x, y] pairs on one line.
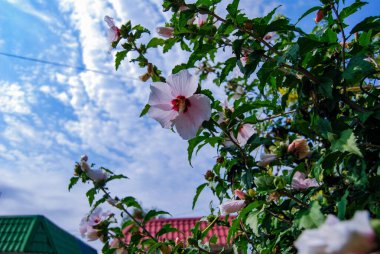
[[349, 10], [358, 68], [346, 143], [232, 8], [153, 213], [313, 217], [73, 181], [228, 67], [342, 206], [155, 42], [145, 110], [167, 228], [91, 195], [367, 24], [120, 57], [313, 9], [197, 193], [253, 221], [192, 144], [131, 202]]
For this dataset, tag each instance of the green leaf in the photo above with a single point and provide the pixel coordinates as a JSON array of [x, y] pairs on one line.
[[155, 42], [131, 202], [167, 228], [313, 9], [197, 193], [346, 143], [342, 206], [232, 8], [192, 144], [91, 195], [253, 221], [120, 57], [213, 239], [367, 24], [179, 68], [145, 110], [228, 67], [265, 183], [151, 214], [313, 217], [358, 68], [73, 181], [349, 10]]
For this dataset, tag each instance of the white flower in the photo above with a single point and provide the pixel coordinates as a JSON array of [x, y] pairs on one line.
[[354, 236]]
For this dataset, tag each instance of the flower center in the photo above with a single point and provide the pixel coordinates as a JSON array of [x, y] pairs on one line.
[[181, 104]]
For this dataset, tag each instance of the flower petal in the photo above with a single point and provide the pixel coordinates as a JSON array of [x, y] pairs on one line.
[[182, 84], [109, 21], [160, 93], [188, 123], [245, 132], [163, 114]]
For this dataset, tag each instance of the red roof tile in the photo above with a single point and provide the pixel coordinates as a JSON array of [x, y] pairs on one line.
[[184, 225]]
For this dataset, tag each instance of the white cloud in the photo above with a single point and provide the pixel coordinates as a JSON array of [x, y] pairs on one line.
[[25, 6], [13, 99]]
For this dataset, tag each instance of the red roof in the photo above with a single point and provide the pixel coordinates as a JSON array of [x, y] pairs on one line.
[[184, 225]]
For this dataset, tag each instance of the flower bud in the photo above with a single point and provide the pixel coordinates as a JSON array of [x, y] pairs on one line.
[[231, 206], [319, 16], [211, 218], [251, 193], [150, 68], [144, 77], [84, 157], [220, 159], [166, 32], [209, 176], [240, 194], [279, 182], [300, 148]]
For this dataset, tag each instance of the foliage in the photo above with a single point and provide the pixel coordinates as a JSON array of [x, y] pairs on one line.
[[318, 86]]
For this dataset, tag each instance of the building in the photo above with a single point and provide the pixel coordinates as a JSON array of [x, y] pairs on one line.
[[37, 234], [184, 225]]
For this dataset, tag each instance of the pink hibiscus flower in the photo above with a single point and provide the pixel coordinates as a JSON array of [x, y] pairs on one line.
[[86, 227], [175, 103], [113, 32], [300, 182]]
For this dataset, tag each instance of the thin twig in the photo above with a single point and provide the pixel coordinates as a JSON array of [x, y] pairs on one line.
[[131, 216]]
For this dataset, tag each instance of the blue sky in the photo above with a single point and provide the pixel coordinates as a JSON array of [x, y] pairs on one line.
[[51, 115]]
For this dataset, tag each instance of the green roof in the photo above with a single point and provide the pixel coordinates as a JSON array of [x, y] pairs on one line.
[[37, 234]]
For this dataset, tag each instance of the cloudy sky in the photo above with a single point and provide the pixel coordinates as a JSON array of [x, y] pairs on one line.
[[50, 114]]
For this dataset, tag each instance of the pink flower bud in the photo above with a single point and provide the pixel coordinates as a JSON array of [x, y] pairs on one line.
[[319, 16], [300, 148], [84, 157], [166, 32], [201, 19], [240, 194], [231, 206]]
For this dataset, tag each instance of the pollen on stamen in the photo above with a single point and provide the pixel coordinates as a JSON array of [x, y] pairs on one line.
[[181, 104]]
